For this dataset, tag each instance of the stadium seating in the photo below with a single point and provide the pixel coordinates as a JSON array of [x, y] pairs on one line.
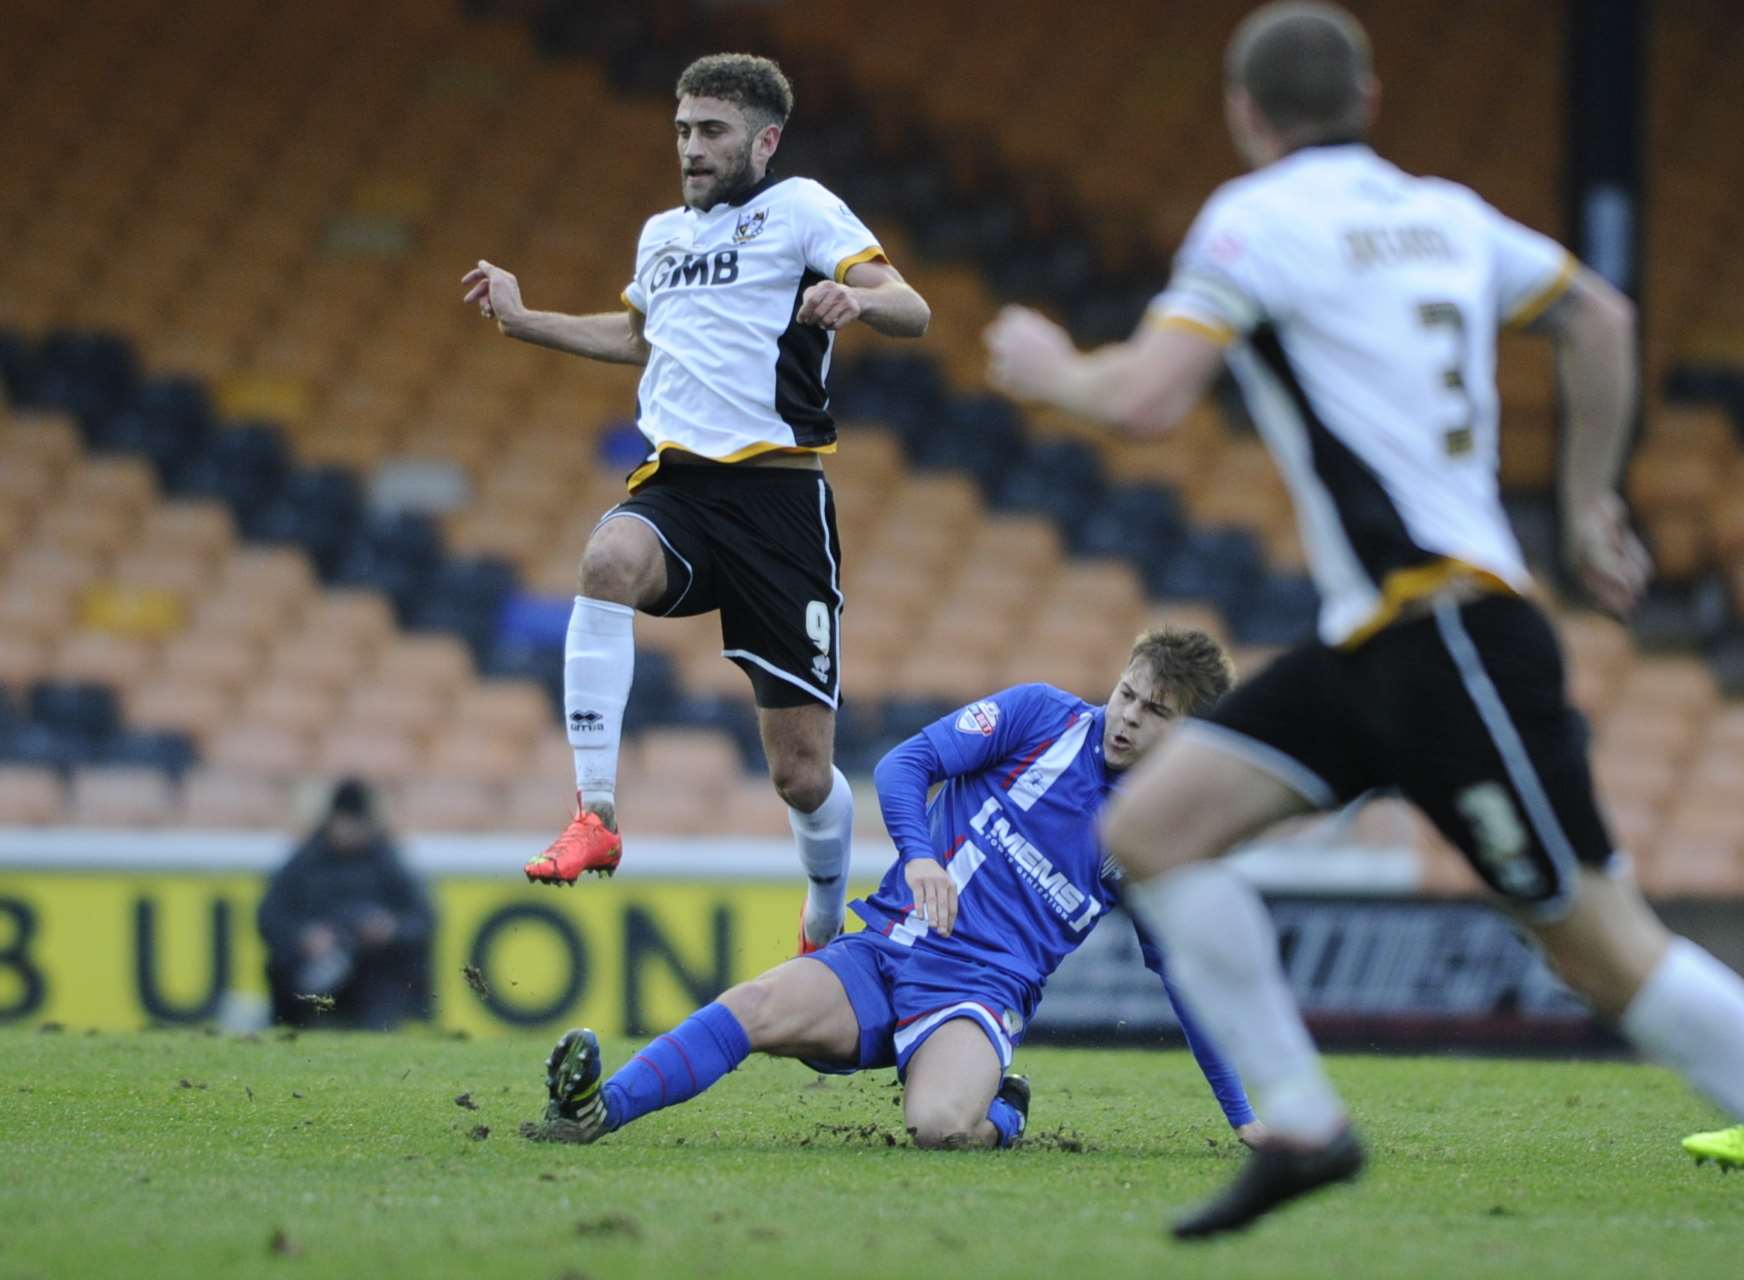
[[265, 479]]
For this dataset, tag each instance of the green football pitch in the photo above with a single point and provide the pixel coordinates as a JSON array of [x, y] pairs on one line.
[[181, 1154]]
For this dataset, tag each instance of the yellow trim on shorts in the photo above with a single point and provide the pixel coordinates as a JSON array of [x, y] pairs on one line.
[[640, 475], [1403, 587], [1539, 303], [1222, 335], [624, 298], [853, 260]]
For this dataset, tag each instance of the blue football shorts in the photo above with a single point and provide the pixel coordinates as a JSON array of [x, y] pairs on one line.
[[901, 996]]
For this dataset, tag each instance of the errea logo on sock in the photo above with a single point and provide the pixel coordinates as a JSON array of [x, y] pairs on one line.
[[587, 722]]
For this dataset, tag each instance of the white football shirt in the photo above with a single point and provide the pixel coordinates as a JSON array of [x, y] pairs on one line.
[[1362, 305], [730, 375]]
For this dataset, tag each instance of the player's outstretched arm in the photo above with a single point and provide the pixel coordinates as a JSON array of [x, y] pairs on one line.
[[613, 336], [1147, 383], [873, 293], [1593, 326]]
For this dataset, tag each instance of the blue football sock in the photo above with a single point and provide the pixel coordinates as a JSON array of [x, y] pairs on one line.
[[677, 1066], [1007, 1119]]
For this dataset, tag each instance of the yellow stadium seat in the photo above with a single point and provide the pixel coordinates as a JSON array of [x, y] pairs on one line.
[[131, 610]]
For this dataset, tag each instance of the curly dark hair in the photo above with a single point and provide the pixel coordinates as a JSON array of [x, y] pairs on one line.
[[755, 85], [1191, 669]]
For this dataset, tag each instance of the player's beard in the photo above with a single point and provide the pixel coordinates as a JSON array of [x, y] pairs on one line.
[[729, 182]]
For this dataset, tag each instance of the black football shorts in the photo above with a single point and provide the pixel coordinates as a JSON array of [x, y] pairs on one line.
[[1464, 712], [759, 545]]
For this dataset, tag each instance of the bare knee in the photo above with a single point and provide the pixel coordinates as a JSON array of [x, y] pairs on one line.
[[942, 1127], [1608, 944], [622, 564], [802, 780], [752, 1003]]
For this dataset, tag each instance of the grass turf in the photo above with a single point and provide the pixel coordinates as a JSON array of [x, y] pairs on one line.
[[181, 1154]]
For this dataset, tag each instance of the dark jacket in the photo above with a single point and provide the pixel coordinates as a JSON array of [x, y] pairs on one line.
[[318, 885]]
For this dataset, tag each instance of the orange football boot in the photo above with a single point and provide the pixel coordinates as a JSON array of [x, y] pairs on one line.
[[806, 946], [585, 846]]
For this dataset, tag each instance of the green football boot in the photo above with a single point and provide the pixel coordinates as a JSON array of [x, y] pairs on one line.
[[1725, 1147], [572, 1082]]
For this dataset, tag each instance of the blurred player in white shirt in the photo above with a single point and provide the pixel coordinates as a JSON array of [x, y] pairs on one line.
[[1358, 308]]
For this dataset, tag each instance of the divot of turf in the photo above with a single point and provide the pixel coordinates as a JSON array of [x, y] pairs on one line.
[[868, 1134], [556, 1130], [610, 1225], [1061, 1139]]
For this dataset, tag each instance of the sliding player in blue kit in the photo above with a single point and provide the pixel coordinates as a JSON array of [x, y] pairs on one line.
[[997, 880]]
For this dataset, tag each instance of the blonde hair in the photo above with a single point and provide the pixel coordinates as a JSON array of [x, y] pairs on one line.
[[1190, 668]]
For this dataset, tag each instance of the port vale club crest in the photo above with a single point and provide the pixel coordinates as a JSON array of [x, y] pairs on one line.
[[750, 226]]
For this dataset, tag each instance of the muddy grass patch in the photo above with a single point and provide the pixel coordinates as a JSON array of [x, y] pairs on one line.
[[610, 1226], [869, 1134]]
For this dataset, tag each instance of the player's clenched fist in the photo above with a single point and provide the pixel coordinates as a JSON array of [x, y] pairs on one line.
[[935, 893], [496, 291], [1606, 554], [1024, 351], [829, 305]]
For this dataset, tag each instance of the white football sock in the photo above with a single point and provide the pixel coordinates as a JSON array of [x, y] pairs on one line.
[[825, 837], [599, 660], [1689, 1015], [1223, 955]]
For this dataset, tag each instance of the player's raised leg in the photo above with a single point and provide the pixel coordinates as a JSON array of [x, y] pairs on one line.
[[1224, 955], [797, 1010], [1675, 1001], [800, 744], [952, 1091], [622, 569]]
